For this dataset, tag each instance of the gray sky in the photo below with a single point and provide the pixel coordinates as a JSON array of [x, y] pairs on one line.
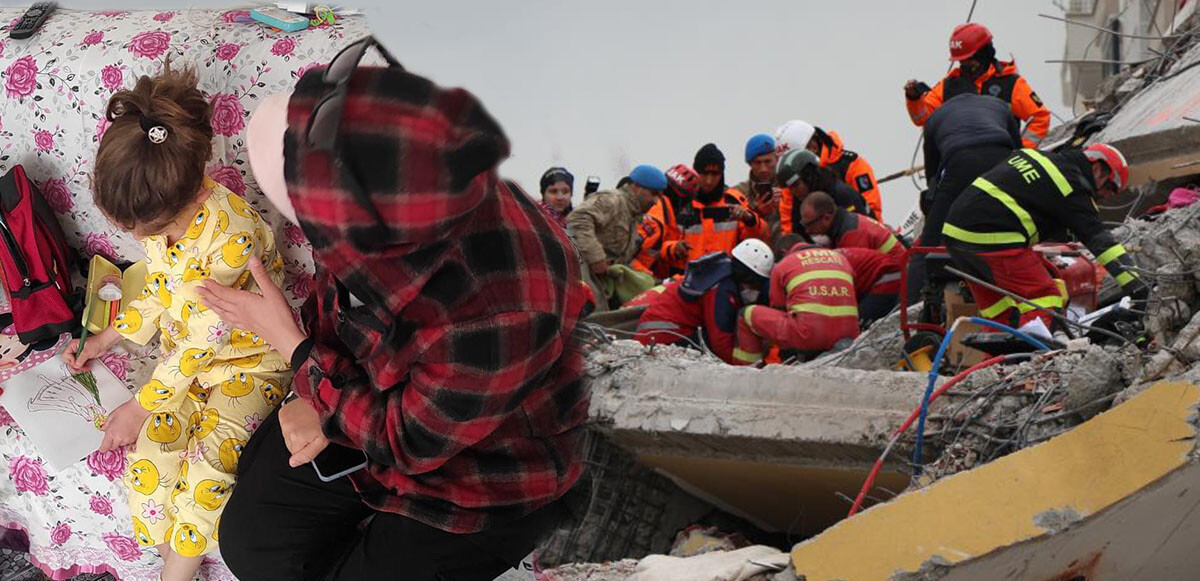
[[602, 86]]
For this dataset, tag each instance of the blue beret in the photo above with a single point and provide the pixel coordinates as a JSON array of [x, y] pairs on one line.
[[758, 145], [649, 177]]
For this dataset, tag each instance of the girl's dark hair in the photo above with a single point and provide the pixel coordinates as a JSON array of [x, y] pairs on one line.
[[138, 182]]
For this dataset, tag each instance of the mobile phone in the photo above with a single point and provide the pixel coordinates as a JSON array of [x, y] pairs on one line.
[[717, 214], [763, 187], [593, 184], [336, 461]]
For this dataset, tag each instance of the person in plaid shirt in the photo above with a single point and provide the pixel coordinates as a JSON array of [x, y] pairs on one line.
[[439, 341]]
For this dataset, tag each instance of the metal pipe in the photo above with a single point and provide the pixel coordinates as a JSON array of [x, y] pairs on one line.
[[1112, 32], [1036, 306]]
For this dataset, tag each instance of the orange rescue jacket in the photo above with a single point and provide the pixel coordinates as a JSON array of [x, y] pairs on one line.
[[854, 170], [1006, 84], [713, 229]]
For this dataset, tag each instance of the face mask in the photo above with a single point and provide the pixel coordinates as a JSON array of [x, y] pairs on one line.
[[822, 240], [749, 295]]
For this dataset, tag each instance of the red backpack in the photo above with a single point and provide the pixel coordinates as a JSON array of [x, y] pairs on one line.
[[34, 257]]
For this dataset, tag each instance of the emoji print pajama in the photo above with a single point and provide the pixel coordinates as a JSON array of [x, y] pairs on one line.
[[213, 384]]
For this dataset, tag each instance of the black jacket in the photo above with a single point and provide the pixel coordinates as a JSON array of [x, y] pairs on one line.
[[968, 121], [1034, 196]]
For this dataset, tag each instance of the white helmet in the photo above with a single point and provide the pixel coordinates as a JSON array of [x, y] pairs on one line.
[[794, 134], [755, 255]]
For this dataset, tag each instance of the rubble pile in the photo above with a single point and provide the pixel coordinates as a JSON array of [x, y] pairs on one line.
[[1000, 410]]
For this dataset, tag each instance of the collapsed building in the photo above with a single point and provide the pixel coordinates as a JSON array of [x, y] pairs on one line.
[[1076, 464]]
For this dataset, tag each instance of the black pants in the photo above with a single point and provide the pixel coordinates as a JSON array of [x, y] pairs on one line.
[[874, 307], [283, 523], [959, 170]]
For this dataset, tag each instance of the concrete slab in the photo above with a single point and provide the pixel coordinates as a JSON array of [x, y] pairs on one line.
[[1112, 499]]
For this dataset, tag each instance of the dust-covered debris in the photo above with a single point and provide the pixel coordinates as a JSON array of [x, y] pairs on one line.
[[936, 567], [613, 571], [1053, 521]]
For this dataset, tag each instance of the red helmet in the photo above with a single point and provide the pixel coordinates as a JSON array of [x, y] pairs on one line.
[[1108, 155], [684, 179], [967, 39]]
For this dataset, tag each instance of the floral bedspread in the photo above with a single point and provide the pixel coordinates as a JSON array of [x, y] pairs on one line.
[[56, 85]]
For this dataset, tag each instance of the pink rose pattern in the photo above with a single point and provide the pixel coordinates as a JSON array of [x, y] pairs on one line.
[[101, 127], [302, 286], [118, 363], [93, 38], [58, 195], [94, 244], [125, 548], [20, 79], [294, 234], [229, 177], [6, 419], [60, 534], [227, 114], [164, 16], [234, 16], [284, 47], [227, 51], [44, 140], [101, 505], [150, 44], [110, 464], [112, 77], [28, 475], [308, 67]]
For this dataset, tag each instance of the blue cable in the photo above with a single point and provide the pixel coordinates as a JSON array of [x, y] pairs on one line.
[[937, 364]]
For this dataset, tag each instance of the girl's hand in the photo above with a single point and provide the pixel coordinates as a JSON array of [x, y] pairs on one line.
[[301, 427], [94, 347], [267, 314], [123, 425]]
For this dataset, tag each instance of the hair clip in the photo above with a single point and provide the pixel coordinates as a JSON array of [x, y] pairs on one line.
[[157, 134]]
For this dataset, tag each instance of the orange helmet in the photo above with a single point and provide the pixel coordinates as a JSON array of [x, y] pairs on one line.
[[684, 179], [967, 39], [1118, 168]]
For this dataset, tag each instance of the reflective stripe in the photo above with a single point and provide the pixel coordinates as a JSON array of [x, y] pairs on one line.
[[1011, 204], [826, 310], [1049, 302], [814, 274], [981, 237], [725, 226], [885, 279], [746, 315], [697, 229], [1028, 134], [1126, 277], [746, 356], [655, 325], [996, 308], [1111, 254], [889, 245], [1059, 179]]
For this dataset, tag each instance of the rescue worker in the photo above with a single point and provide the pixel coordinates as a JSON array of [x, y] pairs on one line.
[[979, 72], [1028, 198], [876, 278], [813, 307], [820, 216], [664, 251], [706, 302], [723, 218], [760, 189], [604, 228], [848, 166], [800, 173], [964, 138]]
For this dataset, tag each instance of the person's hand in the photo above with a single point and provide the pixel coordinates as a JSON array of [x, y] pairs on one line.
[[680, 250], [123, 425], [599, 268], [267, 314], [741, 214], [94, 347], [768, 204], [302, 433], [912, 89]]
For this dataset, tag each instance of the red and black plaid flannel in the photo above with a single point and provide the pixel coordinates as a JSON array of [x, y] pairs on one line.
[[457, 375]]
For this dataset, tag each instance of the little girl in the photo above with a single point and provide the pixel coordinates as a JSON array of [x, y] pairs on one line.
[[213, 384]]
